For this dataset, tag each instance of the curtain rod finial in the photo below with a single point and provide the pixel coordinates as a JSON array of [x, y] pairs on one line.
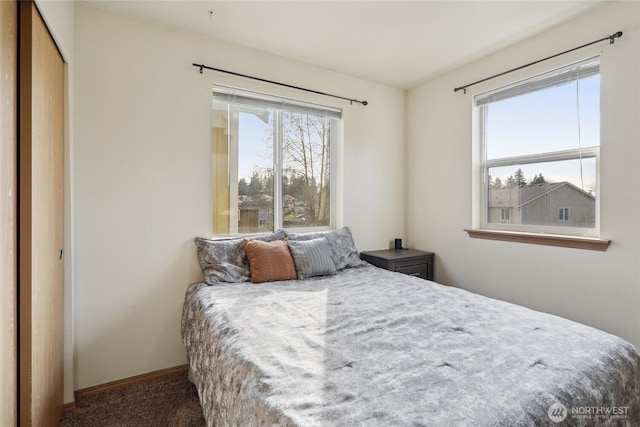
[[612, 38], [364, 103]]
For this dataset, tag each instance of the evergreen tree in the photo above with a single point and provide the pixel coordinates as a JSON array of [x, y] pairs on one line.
[[255, 186], [538, 179], [267, 182], [243, 187], [519, 178]]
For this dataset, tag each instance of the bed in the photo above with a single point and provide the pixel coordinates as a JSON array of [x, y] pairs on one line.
[[365, 346]]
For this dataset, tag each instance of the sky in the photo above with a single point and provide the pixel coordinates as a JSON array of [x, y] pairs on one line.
[[547, 121], [253, 151]]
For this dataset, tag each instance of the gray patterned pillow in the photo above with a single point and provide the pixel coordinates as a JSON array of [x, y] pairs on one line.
[[312, 258], [225, 260], [341, 246]]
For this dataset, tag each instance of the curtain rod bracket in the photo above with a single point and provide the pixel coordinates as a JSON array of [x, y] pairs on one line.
[[246, 76], [611, 39]]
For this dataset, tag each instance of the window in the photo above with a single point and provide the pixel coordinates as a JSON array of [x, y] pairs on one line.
[[273, 163], [540, 150], [564, 214]]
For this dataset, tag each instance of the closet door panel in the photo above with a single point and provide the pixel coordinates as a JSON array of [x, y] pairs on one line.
[[41, 222], [8, 209]]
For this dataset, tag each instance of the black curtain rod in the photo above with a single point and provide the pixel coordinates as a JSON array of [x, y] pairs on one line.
[[611, 39], [202, 66]]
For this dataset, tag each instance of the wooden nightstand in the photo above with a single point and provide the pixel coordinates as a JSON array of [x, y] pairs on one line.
[[407, 261]]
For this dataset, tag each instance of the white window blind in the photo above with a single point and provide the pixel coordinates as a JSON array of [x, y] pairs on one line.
[[223, 95], [558, 77]]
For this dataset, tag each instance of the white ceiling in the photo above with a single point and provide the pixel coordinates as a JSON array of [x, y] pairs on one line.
[[397, 43]]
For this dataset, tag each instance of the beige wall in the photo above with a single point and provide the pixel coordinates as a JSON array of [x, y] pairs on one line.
[[601, 289], [143, 177]]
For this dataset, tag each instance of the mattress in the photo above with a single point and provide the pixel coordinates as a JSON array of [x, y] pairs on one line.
[[372, 347]]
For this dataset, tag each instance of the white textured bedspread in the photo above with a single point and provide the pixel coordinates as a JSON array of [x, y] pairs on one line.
[[369, 347]]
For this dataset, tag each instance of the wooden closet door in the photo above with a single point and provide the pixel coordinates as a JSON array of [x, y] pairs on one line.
[[40, 239], [8, 209]]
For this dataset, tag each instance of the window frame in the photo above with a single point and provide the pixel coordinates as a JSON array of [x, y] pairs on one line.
[[480, 114], [278, 104]]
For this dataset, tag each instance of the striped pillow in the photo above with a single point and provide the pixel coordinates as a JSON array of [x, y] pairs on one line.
[[312, 258]]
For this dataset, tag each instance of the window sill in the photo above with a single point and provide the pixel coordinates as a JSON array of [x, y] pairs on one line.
[[589, 243]]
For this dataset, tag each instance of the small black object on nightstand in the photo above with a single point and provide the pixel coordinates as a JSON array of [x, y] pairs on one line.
[[408, 261]]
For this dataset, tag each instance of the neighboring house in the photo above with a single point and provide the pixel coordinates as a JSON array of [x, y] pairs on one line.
[[255, 214], [559, 204]]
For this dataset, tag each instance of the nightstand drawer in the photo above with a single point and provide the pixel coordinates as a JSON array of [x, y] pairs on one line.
[[406, 261], [418, 270]]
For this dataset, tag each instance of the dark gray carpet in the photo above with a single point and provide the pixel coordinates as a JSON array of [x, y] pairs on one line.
[[167, 401]]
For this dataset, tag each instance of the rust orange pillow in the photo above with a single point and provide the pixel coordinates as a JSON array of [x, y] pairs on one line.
[[269, 261]]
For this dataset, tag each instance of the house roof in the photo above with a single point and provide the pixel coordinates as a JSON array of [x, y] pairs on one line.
[[518, 196]]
